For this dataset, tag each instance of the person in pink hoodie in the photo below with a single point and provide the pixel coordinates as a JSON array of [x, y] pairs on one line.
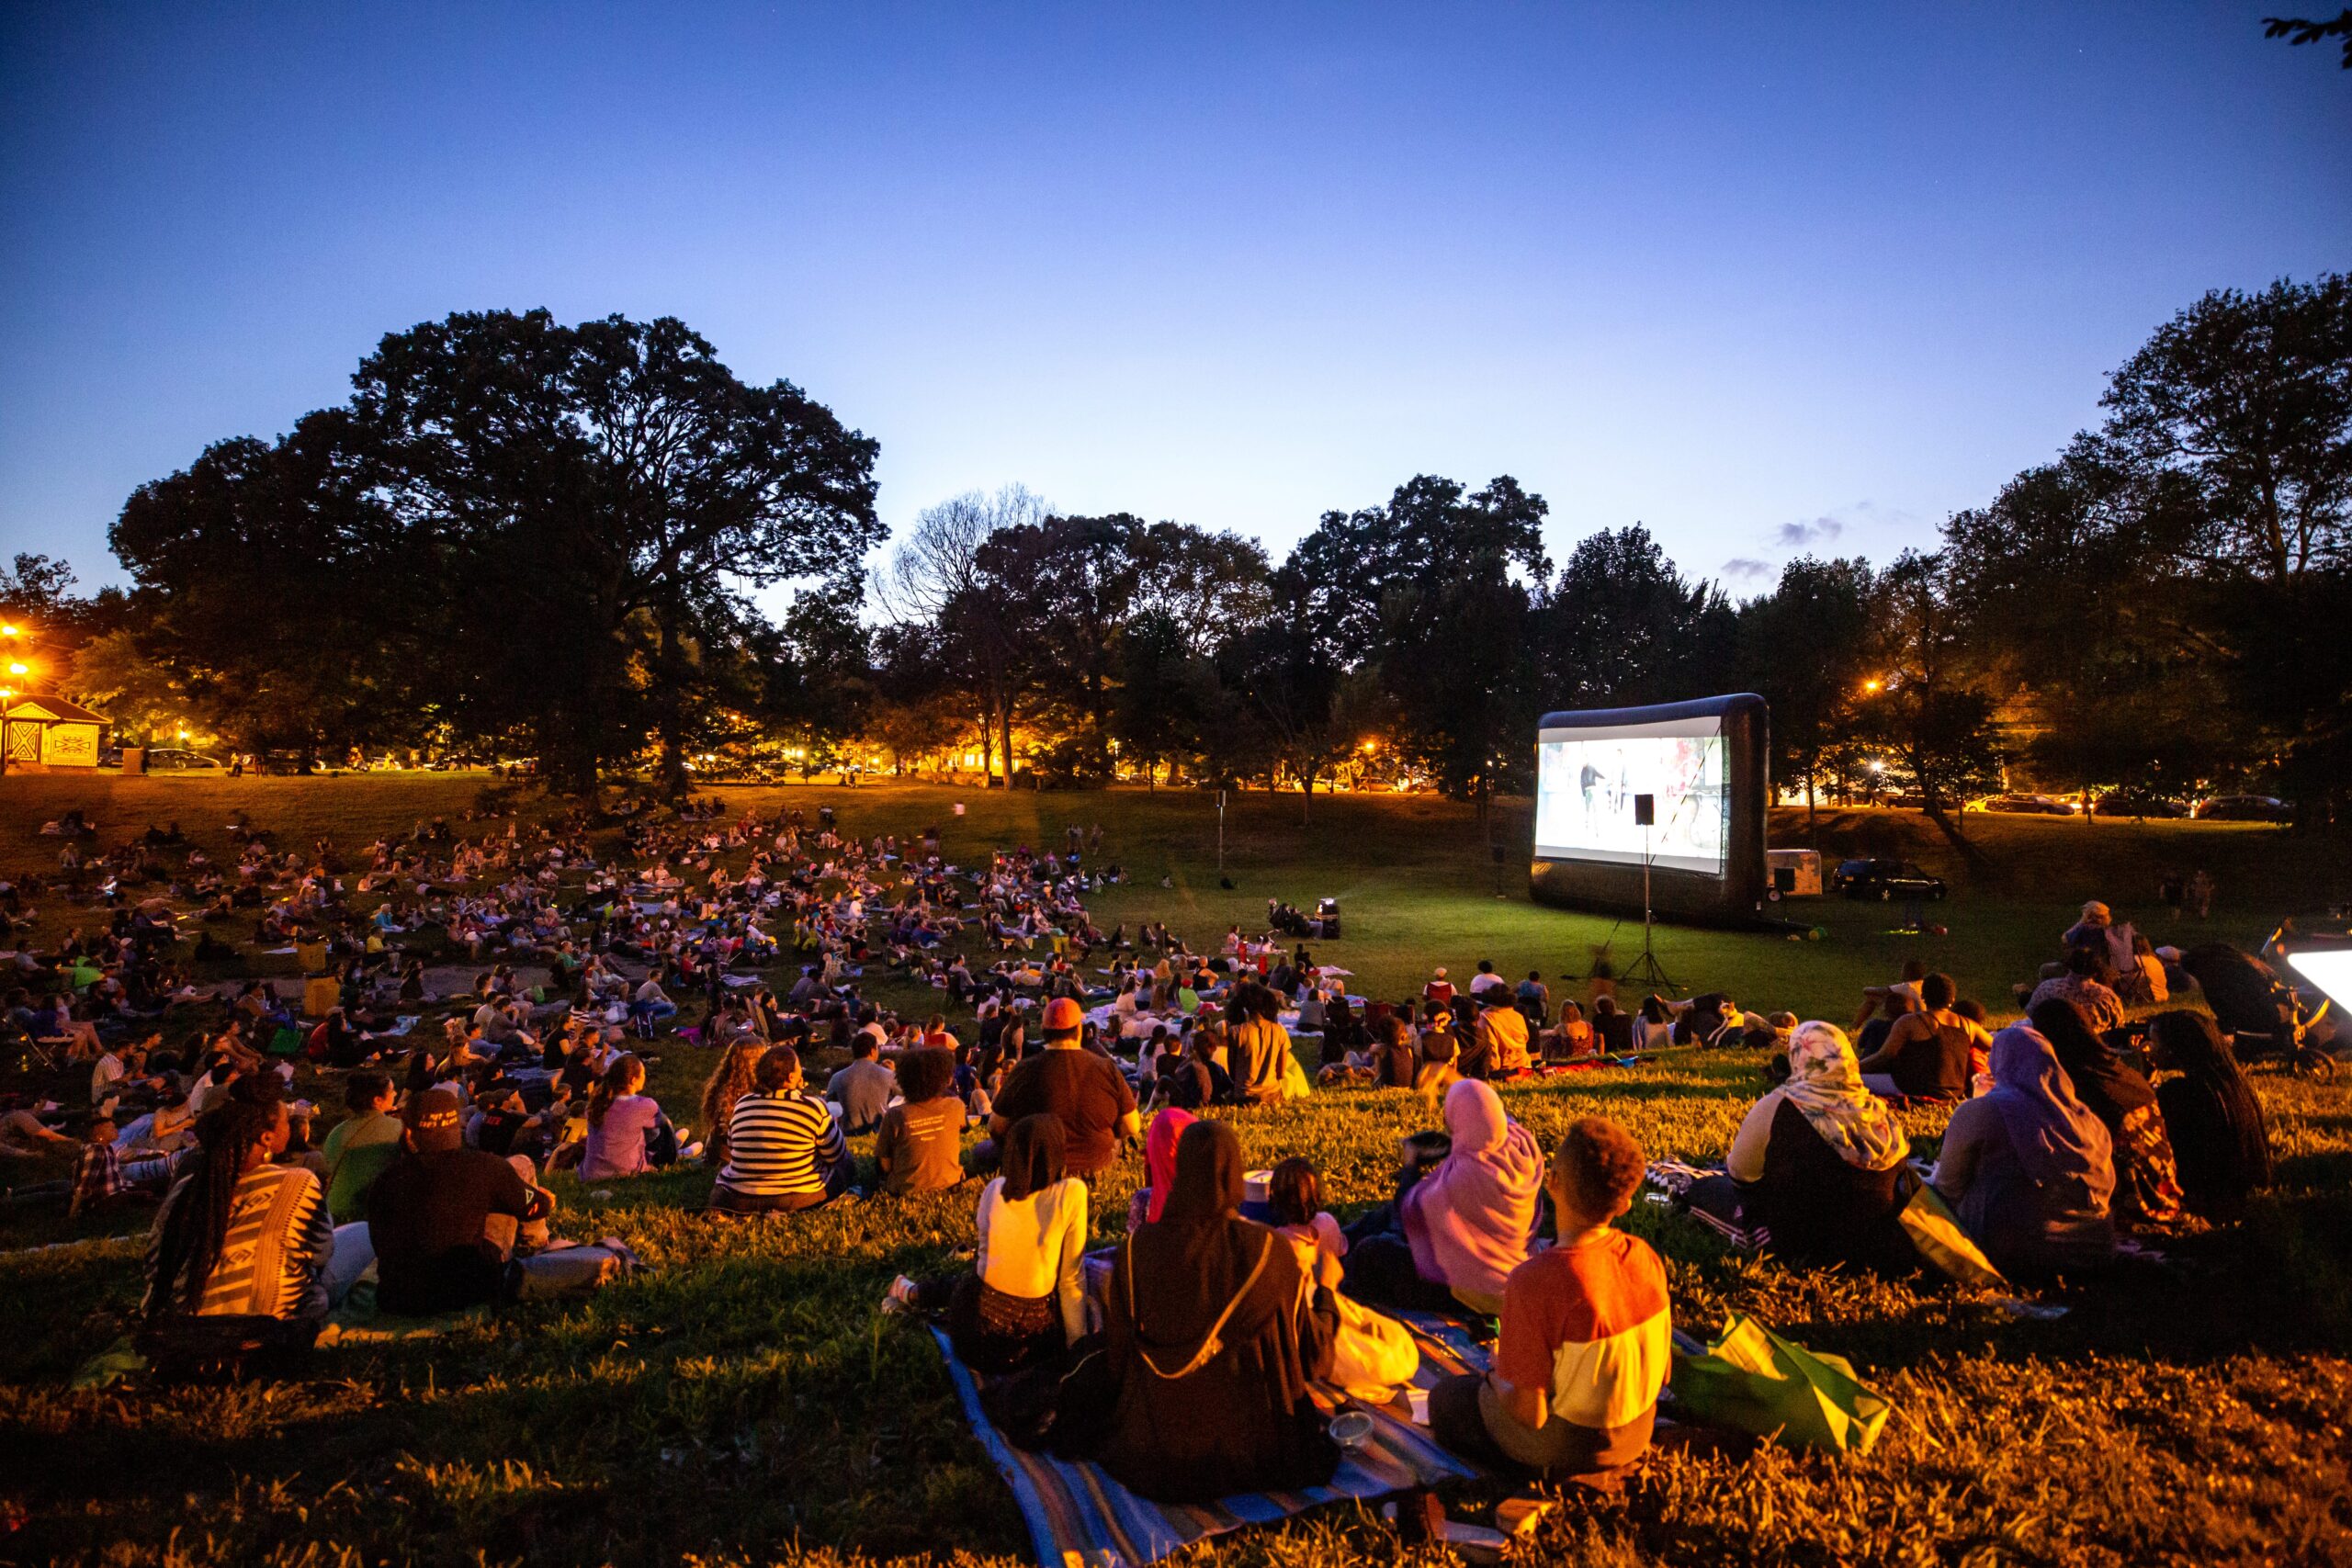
[[1453, 1236]]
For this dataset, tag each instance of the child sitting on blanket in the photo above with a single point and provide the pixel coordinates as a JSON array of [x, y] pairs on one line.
[[1294, 1192], [1372, 1356], [1587, 1332]]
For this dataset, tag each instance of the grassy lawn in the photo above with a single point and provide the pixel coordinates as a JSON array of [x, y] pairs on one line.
[[745, 1402]]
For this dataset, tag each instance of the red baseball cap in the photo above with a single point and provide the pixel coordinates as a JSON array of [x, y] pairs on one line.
[[1061, 1016]]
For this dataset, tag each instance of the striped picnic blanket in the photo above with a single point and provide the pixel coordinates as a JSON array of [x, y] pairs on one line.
[[1676, 1179], [1080, 1517]]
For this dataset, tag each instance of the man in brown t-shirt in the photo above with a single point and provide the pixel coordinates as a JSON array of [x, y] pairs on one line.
[[1083, 1091]]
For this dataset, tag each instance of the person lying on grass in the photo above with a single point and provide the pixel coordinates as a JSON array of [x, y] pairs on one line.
[[102, 1177], [1587, 1332]]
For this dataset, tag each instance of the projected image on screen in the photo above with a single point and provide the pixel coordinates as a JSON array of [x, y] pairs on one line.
[[1587, 780]]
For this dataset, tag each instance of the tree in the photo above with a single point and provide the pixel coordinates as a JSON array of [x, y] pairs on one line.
[[1204, 583], [1621, 627], [939, 575], [279, 592], [1287, 684], [1432, 590], [1805, 647], [1158, 711], [2249, 397], [600, 499], [1928, 710], [2302, 30]]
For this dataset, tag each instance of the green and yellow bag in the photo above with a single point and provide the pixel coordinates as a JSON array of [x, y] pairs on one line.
[[1753, 1380]]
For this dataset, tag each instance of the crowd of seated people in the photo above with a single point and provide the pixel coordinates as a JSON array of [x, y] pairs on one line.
[[1211, 1323]]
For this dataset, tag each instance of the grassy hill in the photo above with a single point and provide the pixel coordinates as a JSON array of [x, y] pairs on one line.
[[745, 1403]]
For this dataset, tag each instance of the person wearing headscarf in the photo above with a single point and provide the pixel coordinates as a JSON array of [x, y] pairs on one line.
[[2027, 1168], [1457, 1232], [2211, 1113], [1022, 1300], [2147, 1181], [1213, 1333], [1159, 1165], [1818, 1160]]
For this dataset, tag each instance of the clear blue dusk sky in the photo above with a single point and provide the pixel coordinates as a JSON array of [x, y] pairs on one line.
[[1749, 274]]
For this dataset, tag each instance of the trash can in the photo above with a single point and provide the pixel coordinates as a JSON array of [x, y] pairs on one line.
[[134, 761]]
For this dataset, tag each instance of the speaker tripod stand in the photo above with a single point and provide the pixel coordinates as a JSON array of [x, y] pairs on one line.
[[1647, 970]]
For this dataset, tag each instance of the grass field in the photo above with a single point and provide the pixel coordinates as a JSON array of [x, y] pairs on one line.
[[745, 1403]]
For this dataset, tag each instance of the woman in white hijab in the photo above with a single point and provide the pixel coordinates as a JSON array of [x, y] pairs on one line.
[[1819, 1160]]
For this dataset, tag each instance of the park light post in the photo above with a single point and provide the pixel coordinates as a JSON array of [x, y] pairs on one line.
[[11, 639]]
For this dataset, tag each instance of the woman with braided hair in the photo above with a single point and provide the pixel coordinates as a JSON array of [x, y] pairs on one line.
[[238, 1236]]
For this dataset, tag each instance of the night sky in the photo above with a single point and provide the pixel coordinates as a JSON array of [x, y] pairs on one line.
[[1767, 278]]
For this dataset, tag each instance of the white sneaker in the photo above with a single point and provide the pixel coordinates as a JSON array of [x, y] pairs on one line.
[[900, 1299]]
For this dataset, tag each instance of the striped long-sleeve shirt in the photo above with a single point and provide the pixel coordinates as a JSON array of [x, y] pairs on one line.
[[779, 1143], [273, 1261]]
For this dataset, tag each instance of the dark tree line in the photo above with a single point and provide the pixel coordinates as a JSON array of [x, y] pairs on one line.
[[548, 539]]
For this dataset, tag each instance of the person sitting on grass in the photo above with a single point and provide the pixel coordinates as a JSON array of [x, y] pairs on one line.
[[2025, 1167], [1587, 1332], [240, 1237], [1573, 1040], [1501, 1036], [864, 1088], [2147, 1183], [103, 1178], [444, 1221], [729, 1082], [917, 1148], [628, 1133], [2086, 982], [1213, 1333], [784, 1151], [361, 1145], [1926, 1054], [1453, 1237], [1817, 1161], [1024, 1299], [2215, 1122], [1086, 1093]]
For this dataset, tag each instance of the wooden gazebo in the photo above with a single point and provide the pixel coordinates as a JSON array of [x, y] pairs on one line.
[[39, 733]]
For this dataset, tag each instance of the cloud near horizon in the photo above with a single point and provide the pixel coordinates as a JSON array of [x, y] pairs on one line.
[[1819, 530], [1746, 567]]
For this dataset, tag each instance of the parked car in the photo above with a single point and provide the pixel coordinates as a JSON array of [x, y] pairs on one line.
[[2133, 803], [1885, 879], [2245, 808], [2027, 805], [170, 759]]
